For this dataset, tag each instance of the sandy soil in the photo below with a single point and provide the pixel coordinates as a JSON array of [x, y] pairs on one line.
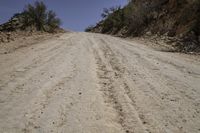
[[92, 83], [24, 39]]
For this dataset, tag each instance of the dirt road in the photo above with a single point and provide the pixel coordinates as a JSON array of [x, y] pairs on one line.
[[92, 83]]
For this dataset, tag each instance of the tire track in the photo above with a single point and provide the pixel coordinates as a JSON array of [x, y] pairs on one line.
[[116, 89]]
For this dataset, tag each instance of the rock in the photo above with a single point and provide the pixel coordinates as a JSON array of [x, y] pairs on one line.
[[8, 34], [180, 35], [8, 38], [164, 38], [12, 39], [3, 40], [149, 33], [174, 44]]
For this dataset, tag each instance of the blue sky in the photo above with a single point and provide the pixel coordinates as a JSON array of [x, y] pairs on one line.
[[75, 14]]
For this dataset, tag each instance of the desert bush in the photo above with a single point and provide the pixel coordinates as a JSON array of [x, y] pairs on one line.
[[158, 16], [132, 17], [114, 18], [136, 17], [38, 16], [52, 21]]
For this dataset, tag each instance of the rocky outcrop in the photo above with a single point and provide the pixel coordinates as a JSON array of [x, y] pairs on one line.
[[13, 29], [15, 23]]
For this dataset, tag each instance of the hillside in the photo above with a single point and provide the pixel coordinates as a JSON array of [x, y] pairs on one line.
[[34, 24], [34, 19], [175, 20]]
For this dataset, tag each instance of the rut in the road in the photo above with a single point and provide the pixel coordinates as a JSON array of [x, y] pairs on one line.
[[116, 89]]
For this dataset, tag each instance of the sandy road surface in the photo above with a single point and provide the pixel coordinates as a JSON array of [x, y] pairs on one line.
[[91, 83]]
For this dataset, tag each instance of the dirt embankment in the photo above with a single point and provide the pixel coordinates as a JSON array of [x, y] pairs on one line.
[[10, 41], [16, 33]]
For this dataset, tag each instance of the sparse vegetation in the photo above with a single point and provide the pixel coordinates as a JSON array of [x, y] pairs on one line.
[[38, 16], [34, 17], [177, 19], [113, 20]]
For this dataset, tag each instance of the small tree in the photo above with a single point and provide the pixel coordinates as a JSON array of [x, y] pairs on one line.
[[113, 19], [37, 15], [52, 21]]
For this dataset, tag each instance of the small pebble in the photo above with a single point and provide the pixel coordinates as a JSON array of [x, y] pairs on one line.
[[144, 122]]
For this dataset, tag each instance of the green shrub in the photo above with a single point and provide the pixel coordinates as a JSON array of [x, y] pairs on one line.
[[52, 21], [113, 19], [38, 16]]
